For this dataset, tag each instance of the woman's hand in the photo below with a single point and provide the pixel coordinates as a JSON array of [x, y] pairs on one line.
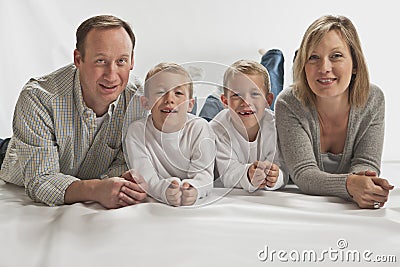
[[367, 189]]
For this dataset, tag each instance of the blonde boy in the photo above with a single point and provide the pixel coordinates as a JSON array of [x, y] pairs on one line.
[[174, 151], [247, 152]]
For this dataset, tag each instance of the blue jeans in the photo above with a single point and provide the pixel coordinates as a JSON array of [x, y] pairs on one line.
[[273, 61], [3, 149], [211, 107]]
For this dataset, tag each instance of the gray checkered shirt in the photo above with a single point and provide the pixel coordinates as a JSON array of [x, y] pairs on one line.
[[56, 140]]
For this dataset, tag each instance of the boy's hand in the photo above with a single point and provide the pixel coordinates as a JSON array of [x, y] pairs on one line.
[[189, 195], [173, 194], [256, 174], [272, 175]]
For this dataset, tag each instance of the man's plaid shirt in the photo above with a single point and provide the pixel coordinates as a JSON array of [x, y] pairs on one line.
[[54, 140]]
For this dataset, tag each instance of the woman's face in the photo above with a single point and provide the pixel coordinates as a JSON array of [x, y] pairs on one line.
[[330, 67]]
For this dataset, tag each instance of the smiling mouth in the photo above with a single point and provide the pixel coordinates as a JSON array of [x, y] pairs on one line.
[[246, 113], [111, 87], [169, 111], [327, 80]]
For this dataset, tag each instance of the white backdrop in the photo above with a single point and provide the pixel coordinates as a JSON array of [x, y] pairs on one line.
[[38, 36]]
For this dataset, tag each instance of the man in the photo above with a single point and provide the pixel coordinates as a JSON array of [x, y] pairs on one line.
[[68, 125]]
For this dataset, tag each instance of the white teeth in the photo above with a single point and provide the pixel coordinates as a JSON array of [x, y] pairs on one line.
[[168, 111], [246, 112], [325, 80]]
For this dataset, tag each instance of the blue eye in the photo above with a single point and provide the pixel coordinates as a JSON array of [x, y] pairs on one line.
[[158, 92], [122, 61], [337, 56]]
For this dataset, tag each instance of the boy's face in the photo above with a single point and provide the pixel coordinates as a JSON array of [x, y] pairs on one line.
[[168, 100], [247, 100]]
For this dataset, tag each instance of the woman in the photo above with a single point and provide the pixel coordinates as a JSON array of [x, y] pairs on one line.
[[331, 120]]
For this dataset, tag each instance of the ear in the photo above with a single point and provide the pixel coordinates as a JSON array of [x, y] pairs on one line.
[[270, 99], [224, 100], [191, 105], [354, 71], [77, 58], [145, 102], [132, 61]]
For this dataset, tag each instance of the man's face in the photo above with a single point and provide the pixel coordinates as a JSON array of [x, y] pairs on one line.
[[104, 72]]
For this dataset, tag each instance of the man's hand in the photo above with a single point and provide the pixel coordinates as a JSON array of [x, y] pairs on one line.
[[135, 191], [111, 193]]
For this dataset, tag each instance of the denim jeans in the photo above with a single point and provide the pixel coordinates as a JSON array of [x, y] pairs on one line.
[[273, 61], [211, 107], [3, 149]]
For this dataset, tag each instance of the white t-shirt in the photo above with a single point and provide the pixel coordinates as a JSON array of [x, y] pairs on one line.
[[235, 154], [187, 155]]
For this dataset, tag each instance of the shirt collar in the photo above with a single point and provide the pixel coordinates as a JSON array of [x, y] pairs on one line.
[[113, 106]]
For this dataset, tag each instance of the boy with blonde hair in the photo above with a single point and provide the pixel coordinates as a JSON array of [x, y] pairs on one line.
[[247, 147], [173, 150]]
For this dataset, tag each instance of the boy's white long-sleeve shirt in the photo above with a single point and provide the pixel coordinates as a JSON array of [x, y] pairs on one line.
[[235, 154], [187, 155]]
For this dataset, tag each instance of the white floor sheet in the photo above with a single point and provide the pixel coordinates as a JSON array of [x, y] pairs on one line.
[[239, 229]]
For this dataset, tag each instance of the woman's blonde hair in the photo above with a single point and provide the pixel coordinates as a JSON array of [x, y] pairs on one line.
[[359, 83]]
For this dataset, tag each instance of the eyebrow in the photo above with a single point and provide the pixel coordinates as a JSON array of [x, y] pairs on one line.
[[104, 55], [334, 48]]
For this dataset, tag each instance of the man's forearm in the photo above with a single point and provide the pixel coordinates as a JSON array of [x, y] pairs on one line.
[[81, 191]]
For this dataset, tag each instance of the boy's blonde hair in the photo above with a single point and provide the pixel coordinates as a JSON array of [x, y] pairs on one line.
[[359, 84], [172, 68], [247, 67]]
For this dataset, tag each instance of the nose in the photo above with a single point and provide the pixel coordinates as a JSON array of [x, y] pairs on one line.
[[111, 72], [245, 100], [246, 104], [169, 97], [326, 65]]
